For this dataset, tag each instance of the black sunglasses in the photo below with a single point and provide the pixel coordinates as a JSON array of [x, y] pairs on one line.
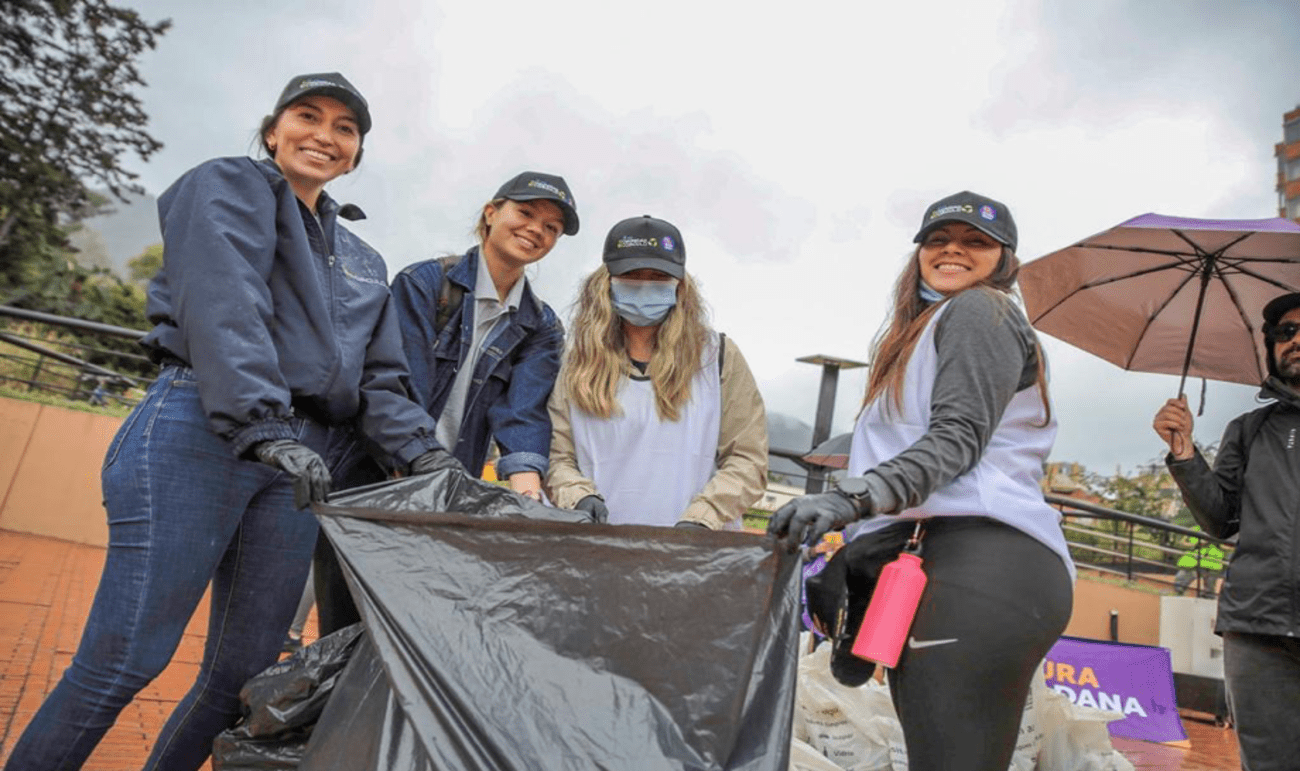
[[1283, 332]]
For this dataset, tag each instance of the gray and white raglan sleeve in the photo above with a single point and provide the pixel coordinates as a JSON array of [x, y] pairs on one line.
[[986, 353]]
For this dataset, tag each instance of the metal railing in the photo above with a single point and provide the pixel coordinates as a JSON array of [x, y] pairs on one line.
[[1135, 547], [34, 361]]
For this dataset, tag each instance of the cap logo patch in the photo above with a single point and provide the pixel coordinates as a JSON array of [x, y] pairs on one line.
[[631, 242], [548, 187], [668, 244], [961, 208], [305, 84], [987, 213]]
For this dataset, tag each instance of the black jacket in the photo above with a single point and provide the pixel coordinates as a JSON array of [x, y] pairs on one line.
[[1261, 593]]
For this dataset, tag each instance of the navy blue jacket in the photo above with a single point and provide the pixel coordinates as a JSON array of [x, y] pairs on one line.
[[277, 310], [512, 379]]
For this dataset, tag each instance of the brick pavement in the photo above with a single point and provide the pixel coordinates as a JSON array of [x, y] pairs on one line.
[[46, 587]]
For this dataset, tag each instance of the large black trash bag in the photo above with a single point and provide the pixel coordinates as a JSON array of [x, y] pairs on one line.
[[504, 639], [281, 706]]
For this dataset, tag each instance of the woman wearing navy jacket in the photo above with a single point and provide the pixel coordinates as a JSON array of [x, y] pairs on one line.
[[273, 324], [483, 350]]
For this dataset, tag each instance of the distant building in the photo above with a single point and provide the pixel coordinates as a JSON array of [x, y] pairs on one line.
[[1068, 479], [1288, 167]]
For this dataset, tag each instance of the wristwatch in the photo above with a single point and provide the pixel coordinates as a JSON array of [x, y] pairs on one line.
[[857, 491]]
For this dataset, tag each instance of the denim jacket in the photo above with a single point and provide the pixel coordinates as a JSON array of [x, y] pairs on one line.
[[512, 380], [279, 312]]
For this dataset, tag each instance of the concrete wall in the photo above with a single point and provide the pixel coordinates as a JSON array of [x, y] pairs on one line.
[[49, 471], [1094, 599]]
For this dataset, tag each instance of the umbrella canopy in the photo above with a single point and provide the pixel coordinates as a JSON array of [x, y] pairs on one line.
[[1170, 295], [832, 453]]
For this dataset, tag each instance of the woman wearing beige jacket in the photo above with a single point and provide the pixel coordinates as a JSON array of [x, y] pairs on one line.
[[656, 418]]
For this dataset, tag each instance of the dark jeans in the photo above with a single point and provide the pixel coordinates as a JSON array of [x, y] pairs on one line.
[[182, 511], [1262, 674]]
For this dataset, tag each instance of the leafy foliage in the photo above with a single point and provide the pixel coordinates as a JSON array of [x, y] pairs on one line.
[[68, 113]]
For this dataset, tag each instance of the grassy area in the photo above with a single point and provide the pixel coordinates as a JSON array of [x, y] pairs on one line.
[[43, 397]]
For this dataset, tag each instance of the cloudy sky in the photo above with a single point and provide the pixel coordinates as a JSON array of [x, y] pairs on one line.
[[795, 145]]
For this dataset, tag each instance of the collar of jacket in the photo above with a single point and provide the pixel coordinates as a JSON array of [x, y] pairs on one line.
[[325, 206], [1275, 388], [465, 273]]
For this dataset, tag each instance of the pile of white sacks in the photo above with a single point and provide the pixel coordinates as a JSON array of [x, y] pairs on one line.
[[856, 729]]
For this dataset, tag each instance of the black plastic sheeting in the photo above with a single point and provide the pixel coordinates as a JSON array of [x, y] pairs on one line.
[[520, 636], [282, 705]]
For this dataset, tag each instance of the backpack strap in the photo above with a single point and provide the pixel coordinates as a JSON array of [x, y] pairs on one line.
[[722, 351], [450, 295]]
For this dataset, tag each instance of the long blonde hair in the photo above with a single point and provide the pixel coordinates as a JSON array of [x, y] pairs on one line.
[[597, 360], [893, 346]]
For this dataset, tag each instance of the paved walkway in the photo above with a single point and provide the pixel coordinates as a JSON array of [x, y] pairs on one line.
[[46, 587]]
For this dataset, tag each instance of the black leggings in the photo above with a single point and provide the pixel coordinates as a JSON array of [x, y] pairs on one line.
[[995, 602]]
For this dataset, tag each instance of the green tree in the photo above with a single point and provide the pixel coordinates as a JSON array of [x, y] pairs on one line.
[[68, 113], [142, 267]]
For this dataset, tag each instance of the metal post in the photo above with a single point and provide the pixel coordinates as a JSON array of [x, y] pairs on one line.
[[36, 372], [822, 425], [831, 367]]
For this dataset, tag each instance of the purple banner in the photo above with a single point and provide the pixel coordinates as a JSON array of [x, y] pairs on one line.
[[1136, 680]]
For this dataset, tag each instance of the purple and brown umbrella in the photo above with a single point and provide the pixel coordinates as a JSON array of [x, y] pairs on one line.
[[1170, 295]]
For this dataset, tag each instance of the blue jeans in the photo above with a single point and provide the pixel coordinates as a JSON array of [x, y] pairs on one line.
[[182, 511]]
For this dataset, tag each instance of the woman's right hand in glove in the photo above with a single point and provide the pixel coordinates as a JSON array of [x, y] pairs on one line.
[[809, 517], [311, 477]]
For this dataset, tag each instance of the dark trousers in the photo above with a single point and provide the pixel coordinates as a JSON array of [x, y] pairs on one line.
[[995, 602], [1262, 674], [350, 466]]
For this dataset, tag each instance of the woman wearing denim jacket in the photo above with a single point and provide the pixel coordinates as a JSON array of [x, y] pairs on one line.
[[485, 372], [274, 323]]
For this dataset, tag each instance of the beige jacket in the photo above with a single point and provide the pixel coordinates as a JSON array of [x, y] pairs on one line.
[[741, 475]]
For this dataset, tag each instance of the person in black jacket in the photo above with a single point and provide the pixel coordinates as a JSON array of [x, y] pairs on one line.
[[274, 325], [1253, 492]]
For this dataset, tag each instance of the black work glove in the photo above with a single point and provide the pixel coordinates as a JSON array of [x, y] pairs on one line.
[[434, 460], [595, 506], [311, 478], [685, 523], [809, 517]]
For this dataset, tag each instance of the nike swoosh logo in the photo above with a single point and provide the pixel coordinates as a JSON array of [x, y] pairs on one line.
[[914, 643]]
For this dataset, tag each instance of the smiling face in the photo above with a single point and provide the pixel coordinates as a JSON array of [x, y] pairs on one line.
[[956, 256], [314, 141], [520, 233]]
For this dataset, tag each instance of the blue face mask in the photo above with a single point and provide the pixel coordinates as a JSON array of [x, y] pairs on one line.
[[642, 303], [929, 294]]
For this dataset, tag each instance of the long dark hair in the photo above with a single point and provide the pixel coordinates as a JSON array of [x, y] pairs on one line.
[[893, 346]]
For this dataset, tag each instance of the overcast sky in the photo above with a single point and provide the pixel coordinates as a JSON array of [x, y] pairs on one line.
[[794, 145]]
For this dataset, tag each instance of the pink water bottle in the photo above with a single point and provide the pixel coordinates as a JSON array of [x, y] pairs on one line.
[[890, 613]]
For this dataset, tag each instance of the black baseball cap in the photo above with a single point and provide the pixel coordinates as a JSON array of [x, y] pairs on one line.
[[1279, 307], [327, 84], [536, 186], [985, 214], [645, 242]]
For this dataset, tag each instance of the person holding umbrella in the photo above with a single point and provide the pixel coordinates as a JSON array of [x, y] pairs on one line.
[[949, 446], [273, 327], [1252, 493], [657, 418]]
